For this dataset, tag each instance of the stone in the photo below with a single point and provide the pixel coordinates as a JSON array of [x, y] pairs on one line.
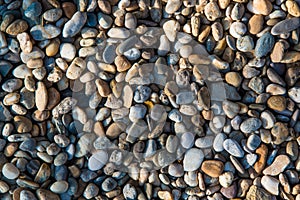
[[129, 192], [280, 132], [226, 179], [277, 103], [192, 159], [255, 24], [253, 142], [41, 96], [268, 119], [263, 7], [103, 88], [294, 94], [91, 191], [231, 109], [10, 171], [262, 153], [187, 140], [233, 147], [212, 168], [278, 52], [264, 45], [67, 51], [172, 6], [175, 170], [27, 195], [25, 42], [122, 63], [245, 43], [34, 10], [22, 124], [256, 193], [270, 184], [137, 112], [257, 85], [44, 194], [109, 53], [11, 85], [293, 8], [69, 9], [250, 125], [141, 94], [59, 187], [109, 184], [212, 11], [237, 29], [278, 166], [285, 26], [171, 27], [74, 25], [84, 144], [53, 15], [18, 26], [46, 32], [97, 160]]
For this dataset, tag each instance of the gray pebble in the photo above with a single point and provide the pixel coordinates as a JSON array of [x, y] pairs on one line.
[[233, 147]]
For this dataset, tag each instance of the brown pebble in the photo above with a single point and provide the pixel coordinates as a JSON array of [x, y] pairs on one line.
[[277, 103], [255, 24], [262, 153], [122, 63], [69, 9], [17, 27], [213, 168], [41, 96]]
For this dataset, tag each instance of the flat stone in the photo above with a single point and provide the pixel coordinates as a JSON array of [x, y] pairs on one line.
[[279, 165], [171, 27], [255, 24], [10, 171], [67, 51], [294, 94], [129, 192], [212, 168], [256, 193], [172, 6], [192, 159], [280, 132], [91, 191], [46, 32], [218, 142], [44, 194], [212, 11], [264, 45], [253, 142], [121, 33], [245, 43], [74, 25], [18, 26], [59, 187], [41, 96], [85, 144], [285, 26], [277, 103], [233, 147], [263, 7], [237, 29], [270, 184], [250, 125], [53, 15]]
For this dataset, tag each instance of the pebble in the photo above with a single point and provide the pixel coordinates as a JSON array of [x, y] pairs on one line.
[[277, 103], [53, 15], [44, 194], [172, 6], [187, 140], [171, 28], [10, 171], [97, 160], [285, 26], [74, 25], [255, 24], [18, 26], [129, 192], [192, 159], [212, 11], [226, 179], [46, 32], [59, 187], [279, 165], [91, 191], [67, 51], [245, 43], [293, 8], [280, 132], [264, 45], [237, 29], [212, 168], [233, 147], [253, 142], [27, 195], [270, 184], [250, 125], [294, 94], [108, 184], [176, 170], [41, 96], [263, 7]]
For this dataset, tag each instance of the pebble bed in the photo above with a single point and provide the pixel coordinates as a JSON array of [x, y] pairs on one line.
[[149, 99]]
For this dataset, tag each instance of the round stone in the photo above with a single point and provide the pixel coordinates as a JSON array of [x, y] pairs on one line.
[[187, 140], [233, 147], [10, 171], [212, 168], [67, 51], [192, 159], [59, 187], [277, 103], [98, 160]]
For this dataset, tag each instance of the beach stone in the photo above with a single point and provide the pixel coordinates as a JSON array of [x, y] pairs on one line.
[[129, 192], [279, 165], [263, 7], [22, 124], [245, 43], [109, 184], [212, 168], [137, 112], [175, 170], [10, 171], [41, 96], [84, 144], [280, 132], [121, 33], [105, 21], [34, 10], [44, 194], [226, 179], [231, 109], [262, 153], [264, 45], [122, 63], [233, 147], [237, 29], [11, 85], [285, 26], [103, 87], [27, 195], [253, 142], [268, 119], [109, 53], [187, 140], [255, 24], [98, 160], [46, 32], [257, 85], [204, 142], [294, 94], [53, 15], [270, 184], [218, 142], [172, 6], [59, 187], [192, 159], [74, 25], [4, 187], [171, 28], [278, 52], [250, 125], [141, 94], [67, 51], [172, 143], [212, 11], [293, 8], [69, 9], [25, 42], [18, 26], [256, 193], [277, 103], [91, 191]]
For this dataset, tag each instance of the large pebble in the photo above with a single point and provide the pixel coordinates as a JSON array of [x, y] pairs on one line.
[[74, 25], [279, 165], [41, 96], [270, 184], [192, 159], [233, 147], [10, 171], [250, 125], [67, 51], [171, 27], [212, 168], [46, 32], [18, 26], [264, 45], [286, 26], [172, 6]]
